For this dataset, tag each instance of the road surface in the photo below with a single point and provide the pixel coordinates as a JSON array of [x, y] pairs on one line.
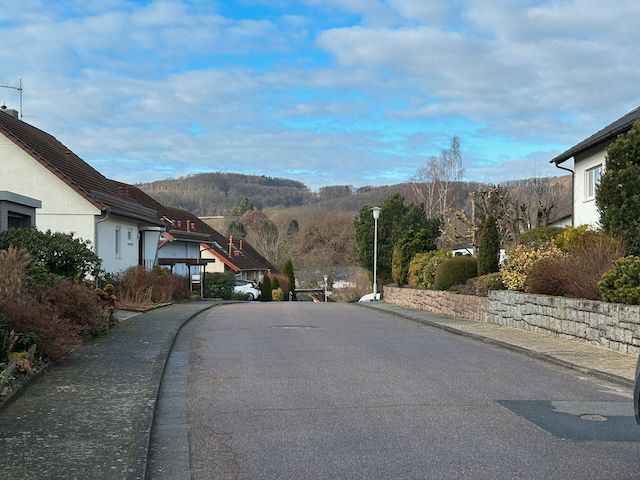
[[335, 391]]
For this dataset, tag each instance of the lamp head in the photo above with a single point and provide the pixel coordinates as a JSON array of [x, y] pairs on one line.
[[376, 212]]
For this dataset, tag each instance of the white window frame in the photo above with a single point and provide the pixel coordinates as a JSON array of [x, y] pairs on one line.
[[130, 236], [592, 178], [118, 242]]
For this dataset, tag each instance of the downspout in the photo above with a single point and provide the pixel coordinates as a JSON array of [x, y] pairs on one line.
[[107, 214], [100, 220], [573, 181]]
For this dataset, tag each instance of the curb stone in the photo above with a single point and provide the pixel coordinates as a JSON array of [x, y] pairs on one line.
[[610, 377], [139, 445]]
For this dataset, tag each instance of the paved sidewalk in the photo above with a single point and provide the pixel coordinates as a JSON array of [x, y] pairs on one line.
[[91, 416], [596, 361]]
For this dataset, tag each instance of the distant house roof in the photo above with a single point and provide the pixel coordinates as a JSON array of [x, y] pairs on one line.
[[98, 190], [609, 132], [183, 225]]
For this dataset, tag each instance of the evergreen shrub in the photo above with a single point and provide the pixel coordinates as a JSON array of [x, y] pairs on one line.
[[455, 271], [622, 283]]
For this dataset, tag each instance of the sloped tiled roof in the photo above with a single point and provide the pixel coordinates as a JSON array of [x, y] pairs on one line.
[[609, 132], [243, 257], [71, 169]]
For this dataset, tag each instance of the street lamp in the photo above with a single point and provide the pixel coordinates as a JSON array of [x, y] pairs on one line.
[[376, 215], [326, 278]]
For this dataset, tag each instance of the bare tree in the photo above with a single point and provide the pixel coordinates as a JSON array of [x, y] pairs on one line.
[[434, 183]]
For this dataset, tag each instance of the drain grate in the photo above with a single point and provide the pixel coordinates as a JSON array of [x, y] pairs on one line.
[[593, 417]]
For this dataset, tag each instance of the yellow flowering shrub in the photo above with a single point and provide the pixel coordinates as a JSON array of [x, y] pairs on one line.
[[277, 295], [519, 262]]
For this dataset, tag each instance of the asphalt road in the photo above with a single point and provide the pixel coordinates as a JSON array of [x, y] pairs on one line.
[[334, 391]]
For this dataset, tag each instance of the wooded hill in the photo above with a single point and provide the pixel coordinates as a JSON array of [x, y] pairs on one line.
[[216, 193]]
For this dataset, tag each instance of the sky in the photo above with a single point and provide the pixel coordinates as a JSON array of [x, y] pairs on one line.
[[327, 92]]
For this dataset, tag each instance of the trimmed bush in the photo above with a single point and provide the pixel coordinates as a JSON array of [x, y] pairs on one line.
[[489, 247], [61, 253], [519, 262], [219, 285], [455, 271], [622, 283], [266, 290], [429, 273], [579, 238], [416, 267], [537, 237], [485, 283]]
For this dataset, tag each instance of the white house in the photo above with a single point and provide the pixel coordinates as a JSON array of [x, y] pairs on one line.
[[589, 162], [189, 245], [75, 198]]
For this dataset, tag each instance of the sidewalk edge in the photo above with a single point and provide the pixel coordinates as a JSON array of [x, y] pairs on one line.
[[141, 437]]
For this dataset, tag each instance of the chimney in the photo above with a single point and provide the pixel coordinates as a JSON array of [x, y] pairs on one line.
[[188, 226], [180, 224], [9, 111], [230, 244]]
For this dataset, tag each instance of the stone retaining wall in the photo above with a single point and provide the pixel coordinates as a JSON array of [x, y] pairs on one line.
[[608, 325], [449, 304]]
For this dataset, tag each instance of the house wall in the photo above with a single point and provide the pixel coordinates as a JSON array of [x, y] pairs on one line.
[[150, 237], [217, 266], [63, 210], [585, 211], [179, 249], [106, 244]]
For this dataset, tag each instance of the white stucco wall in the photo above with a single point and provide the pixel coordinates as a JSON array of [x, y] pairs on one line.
[[151, 236], [585, 211], [179, 249], [106, 246], [217, 266], [63, 210]]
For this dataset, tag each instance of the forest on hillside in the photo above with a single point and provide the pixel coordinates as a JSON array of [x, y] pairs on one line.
[[284, 219]]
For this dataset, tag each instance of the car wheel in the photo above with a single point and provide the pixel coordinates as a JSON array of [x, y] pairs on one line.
[[251, 297]]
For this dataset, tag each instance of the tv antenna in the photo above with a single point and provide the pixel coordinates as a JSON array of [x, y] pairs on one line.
[[19, 89]]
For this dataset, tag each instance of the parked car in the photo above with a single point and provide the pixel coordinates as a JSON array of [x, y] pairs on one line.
[[636, 393], [248, 287], [369, 298]]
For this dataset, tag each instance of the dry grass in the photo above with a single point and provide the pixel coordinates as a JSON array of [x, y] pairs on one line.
[[13, 264], [137, 288]]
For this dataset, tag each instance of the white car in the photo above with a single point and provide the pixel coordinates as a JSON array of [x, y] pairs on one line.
[[248, 287], [369, 298]]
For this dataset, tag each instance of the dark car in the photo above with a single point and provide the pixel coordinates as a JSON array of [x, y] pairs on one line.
[[636, 393]]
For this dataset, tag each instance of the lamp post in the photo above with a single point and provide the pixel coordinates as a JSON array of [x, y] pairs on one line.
[[376, 215], [326, 277]]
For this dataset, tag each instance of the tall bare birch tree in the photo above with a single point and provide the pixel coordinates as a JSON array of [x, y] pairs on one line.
[[434, 183]]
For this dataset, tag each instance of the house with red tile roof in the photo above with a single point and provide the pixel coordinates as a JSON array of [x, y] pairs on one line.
[[76, 198], [125, 226], [191, 245]]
